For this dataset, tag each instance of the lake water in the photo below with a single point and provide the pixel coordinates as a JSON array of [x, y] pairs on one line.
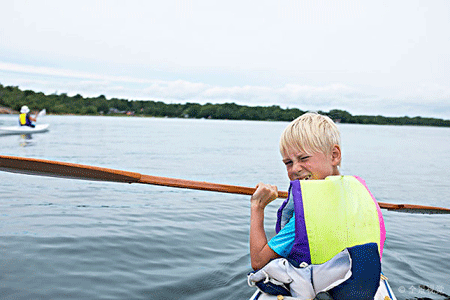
[[76, 239]]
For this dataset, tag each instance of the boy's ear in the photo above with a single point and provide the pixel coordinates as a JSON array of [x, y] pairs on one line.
[[336, 155]]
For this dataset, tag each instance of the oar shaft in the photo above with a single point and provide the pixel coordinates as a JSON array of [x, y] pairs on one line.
[[414, 208], [200, 185], [34, 166]]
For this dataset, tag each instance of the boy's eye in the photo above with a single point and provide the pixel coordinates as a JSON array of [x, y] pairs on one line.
[[304, 158], [288, 162]]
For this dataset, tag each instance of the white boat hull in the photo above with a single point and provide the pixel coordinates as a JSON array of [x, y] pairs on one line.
[[24, 129]]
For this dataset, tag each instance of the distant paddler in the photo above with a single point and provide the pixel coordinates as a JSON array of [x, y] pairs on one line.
[[25, 118]]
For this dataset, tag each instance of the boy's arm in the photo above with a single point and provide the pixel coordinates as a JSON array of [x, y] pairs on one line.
[[260, 252]]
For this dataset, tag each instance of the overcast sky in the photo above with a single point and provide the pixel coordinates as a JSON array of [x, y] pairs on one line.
[[367, 57]]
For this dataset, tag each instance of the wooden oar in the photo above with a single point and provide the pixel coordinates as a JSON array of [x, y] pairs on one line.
[[33, 166]]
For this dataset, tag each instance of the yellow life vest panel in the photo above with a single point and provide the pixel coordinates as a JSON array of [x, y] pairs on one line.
[[23, 119]]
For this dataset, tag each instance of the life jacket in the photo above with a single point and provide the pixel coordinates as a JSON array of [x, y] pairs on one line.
[[24, 120], [353, 274], [331, 215], [339, 238]]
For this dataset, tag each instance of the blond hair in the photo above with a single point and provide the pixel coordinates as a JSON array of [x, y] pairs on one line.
[[310, 133]]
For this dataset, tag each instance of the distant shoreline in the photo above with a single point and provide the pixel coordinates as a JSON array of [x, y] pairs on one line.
[[12, 98], [7, 111]]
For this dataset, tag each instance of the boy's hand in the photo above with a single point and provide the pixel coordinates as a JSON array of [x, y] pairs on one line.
[[260, 252], [264, 194]]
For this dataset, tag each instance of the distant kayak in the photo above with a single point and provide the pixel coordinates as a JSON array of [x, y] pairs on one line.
[[24, 129]]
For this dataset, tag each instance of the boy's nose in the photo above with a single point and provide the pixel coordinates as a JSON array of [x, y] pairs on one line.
[[297, 166]]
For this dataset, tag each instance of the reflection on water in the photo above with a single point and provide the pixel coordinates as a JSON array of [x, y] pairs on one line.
[[26, 140]]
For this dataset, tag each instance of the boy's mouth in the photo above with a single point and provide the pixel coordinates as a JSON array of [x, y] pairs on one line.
[[307, 177]]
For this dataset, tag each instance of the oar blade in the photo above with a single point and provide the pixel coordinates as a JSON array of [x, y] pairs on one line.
[[42, 113], [43, 167]]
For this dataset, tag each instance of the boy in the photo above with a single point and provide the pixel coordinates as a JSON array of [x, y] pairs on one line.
[[321, 219]]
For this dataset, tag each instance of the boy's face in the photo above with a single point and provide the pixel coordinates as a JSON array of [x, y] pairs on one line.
[[302, 166]]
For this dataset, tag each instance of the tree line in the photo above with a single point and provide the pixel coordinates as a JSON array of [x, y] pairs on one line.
[[13, 98]]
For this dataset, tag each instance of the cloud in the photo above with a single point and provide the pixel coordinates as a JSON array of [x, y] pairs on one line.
[[424, 100], [311, 55], [178, 89]]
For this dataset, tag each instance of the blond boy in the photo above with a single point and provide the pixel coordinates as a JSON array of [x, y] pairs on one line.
[[310, 149]]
